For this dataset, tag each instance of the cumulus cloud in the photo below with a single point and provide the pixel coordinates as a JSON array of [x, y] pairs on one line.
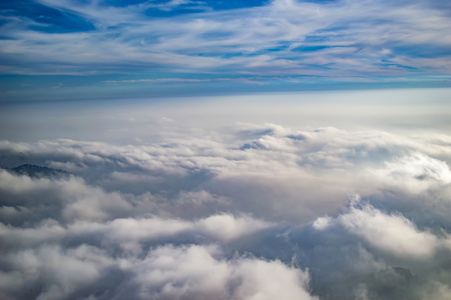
[[194, 272], [391, 233], [416, 173], [245, 175], [260, 212], [66, 200]]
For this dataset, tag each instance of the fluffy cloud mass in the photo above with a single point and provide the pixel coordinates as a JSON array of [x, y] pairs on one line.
[[261, 212]]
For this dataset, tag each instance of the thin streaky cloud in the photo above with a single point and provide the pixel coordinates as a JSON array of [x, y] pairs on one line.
[[168, 80], [334, 39]]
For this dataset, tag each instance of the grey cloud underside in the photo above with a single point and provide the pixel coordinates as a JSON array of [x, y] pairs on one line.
[[269, 211]]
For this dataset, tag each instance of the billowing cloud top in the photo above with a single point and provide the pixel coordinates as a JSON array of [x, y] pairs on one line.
[[262, 212]]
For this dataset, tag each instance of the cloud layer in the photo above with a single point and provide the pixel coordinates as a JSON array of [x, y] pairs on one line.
[[260, 212], [336, 39]]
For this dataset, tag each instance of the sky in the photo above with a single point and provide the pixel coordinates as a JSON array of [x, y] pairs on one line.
[[245, 150], [71, 49]]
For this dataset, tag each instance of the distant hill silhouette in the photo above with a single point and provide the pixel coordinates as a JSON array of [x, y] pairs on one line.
[[35, 171]]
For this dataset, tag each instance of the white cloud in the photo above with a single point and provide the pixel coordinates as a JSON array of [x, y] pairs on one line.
[[55, 273], [391, 233], [165, 272], [321, 223], [415, 173], [374, 36], [217, 228], [208, 215], [72, 198], [194, 272], [242, 173]]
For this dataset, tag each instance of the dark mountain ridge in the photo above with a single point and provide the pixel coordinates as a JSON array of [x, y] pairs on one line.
[[36, 171]]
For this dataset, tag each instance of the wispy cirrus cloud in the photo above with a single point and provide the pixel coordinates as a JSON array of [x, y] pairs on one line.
[[332, 39], [183, 80]]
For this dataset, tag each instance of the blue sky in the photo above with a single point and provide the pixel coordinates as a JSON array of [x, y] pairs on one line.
[[89, 49]]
